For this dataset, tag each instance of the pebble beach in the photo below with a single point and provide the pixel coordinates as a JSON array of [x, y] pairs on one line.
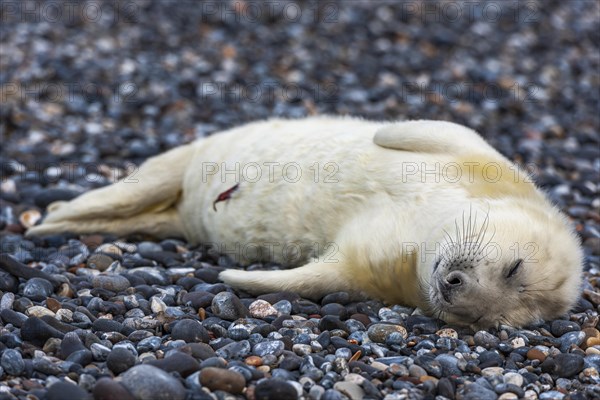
[[88, 91]]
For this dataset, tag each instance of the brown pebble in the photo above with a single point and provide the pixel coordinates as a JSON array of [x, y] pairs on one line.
[[92, 241], [264, 368], [592, 296], [65, 290], [52, 304], [254, 361], [448, 333], [108, 389], [356, 356], [29, 218], [428, 378], [222, 379], [536, 354], [362, 318], [99, 261]]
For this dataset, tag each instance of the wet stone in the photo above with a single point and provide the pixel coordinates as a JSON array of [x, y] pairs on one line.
[[486, 340], [146, 381], [12, 362], [179, 362], [228, 306], [106, 325], [114, 283], [37, 289], [331, 323], [81, 357], [274, 347], [36, 331], [120, 360], [109, 389], [222, 379], [379, 332], [190, 331], [337, 297], [99, 261], [261, 309], [274, 389], [565, 365], [64, 390], [235, 350]]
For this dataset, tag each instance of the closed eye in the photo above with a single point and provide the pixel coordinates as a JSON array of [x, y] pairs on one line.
[[515, 268]]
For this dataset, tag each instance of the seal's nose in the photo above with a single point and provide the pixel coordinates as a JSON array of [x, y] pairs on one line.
[[454, 279], [452, 282]]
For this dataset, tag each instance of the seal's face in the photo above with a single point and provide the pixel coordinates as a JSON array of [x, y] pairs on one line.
[[516, 273]]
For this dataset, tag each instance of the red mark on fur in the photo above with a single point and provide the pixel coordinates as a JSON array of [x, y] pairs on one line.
[[226, 195]]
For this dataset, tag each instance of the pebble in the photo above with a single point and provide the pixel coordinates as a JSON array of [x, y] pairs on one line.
[[37, 331], [379, 332], [190, 331], [351, 390], [222, 379], [179, 362], [567, 365], [228, 306], [99, 261], [148, 382], [120, 360], [271, 347], [37, 289], [39, 312], [12, 362], [261, 309], [274, 389], [108, 389], [486, 340], [112, 282], [63, 390]]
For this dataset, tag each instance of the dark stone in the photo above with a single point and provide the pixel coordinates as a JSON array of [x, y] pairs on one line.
[[81, 357], [108, 389], [335, 309], [36, 331], [37, 289], [190, 331], [119, 360], [330, 323], [179, 362], [148, 382], [270, 389], [560, 327], [64, 391], [222, 379]]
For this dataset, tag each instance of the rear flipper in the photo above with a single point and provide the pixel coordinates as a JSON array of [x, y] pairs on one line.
[[141, 203], [313, 280]]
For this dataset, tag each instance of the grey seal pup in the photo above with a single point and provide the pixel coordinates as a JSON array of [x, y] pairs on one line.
[[420, 213]]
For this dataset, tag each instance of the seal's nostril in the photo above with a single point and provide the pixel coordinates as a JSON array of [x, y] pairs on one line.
[[454, 281]]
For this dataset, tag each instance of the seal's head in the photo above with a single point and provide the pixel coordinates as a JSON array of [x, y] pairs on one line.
[[517, 266]]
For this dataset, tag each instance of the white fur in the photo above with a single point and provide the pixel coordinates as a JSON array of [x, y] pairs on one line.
[[370, 226]]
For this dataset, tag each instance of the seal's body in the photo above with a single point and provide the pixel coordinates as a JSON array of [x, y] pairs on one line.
[[422, 213]]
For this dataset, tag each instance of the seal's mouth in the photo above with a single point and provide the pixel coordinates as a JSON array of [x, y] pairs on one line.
[[449, 307]]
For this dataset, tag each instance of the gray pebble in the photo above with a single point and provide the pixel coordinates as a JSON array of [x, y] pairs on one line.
[[113, 282], [37, 289], [12, 362], [190, 331], [148, 382], [228, 306], [272, 347]]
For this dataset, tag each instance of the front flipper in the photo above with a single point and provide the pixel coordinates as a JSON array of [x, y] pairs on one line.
[[432, 137], [313, 280]]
